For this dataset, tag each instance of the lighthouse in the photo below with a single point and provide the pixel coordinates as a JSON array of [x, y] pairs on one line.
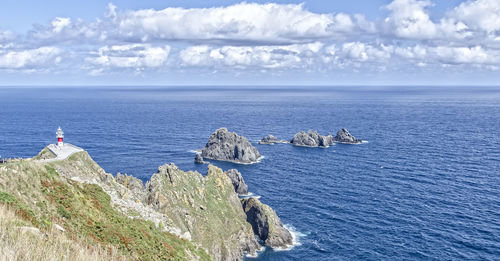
[[60, 136]]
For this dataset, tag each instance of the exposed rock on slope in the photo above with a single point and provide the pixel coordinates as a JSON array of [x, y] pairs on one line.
[[270, 139], [311, 139], [229, 146], [238, 183], [205, 209], [343, 136], [266, 224]]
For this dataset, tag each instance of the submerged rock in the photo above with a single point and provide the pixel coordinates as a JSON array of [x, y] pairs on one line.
[[311, 139], [343, 136], [270, 139], [238, 183], [229, 146], [198, 159], [266, 224]]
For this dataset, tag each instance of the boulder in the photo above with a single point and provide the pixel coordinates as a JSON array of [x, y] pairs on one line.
[[343, 136], [270, 139], [266, 224], [238, 183], [198, 159], [311, 139], [229, 146], [129, 182]]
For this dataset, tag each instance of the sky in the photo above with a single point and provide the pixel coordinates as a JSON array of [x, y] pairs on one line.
[[223, 42]]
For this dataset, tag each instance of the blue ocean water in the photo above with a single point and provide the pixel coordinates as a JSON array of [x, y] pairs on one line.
[[426, 186]]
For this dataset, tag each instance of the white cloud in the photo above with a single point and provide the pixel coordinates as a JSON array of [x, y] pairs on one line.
[[285, 56], [409, 19], [481, 15], [136, 56], [248, 22], [31, 58]]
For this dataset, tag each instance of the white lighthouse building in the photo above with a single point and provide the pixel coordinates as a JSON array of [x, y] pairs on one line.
[[60, 137]]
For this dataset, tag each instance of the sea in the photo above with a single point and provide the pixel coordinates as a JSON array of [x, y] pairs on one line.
[[424, 186]]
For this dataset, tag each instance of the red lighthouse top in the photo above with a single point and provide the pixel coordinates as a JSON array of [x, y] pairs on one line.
[[60, 136]]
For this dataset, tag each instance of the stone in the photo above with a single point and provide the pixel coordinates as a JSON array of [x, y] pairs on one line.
[[270, 139], [312, 139], [229, 146], [198, 159], [129, 182], [343, 136], [238, 183], [266, 224]]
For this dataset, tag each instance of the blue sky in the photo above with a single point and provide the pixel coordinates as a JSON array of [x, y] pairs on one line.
[[376, 42]]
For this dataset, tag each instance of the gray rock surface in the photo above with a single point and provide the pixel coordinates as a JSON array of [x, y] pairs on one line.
[[238, 182], [229, 146], [198, 159], [343, 136], [129, 182], [270, 139], [266, 224], [311, 139]]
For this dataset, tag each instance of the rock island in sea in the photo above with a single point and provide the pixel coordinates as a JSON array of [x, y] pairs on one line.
[[229, 146]]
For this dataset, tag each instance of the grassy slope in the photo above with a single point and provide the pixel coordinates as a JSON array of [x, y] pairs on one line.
[[41, 197]]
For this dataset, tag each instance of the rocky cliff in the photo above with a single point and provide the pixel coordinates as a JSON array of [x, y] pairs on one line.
[[229, 146], [239, 184], [311, 139]]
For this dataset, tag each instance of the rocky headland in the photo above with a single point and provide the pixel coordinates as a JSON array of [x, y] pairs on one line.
[[312, 139], [177, 215], [199, 159], [270, 139], [229, 146], [343, 136]]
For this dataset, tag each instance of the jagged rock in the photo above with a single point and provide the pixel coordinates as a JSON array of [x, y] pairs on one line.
[[311, 139], [238, 183], [206, 207], [198, 159], [266, 224], [270, 139], [229, 146], [343, 136], [129, 182]]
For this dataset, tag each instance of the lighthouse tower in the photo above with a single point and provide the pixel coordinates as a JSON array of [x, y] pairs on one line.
[[60, 136]]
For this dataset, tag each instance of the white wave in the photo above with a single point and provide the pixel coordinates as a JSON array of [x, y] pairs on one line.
[[296, 236], [364, 141], [194, 151], [257, 253]]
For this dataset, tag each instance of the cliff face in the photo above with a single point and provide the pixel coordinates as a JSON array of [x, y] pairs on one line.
[[205, 209], [229, 146]]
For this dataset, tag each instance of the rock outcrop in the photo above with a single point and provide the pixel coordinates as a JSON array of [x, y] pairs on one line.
[[129, 182], [311, 139], [266, 224], [270, 139], [238, 183], [229, 146], [343, 136], [205, 209], [198, 159]]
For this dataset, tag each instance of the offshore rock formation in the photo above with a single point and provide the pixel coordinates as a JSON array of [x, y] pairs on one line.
[[238, 183], [229, 146], [198, 159], [205, 209], [312, 139], [343, 136], [266, 224], [270, 139]]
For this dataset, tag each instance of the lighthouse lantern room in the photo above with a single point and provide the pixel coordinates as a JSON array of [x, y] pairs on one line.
[[60, 136]]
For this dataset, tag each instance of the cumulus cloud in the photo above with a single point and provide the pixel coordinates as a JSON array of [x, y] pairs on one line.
[[29, 59], [481, 15], [286, 56], [135, 56], [409, 19]]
